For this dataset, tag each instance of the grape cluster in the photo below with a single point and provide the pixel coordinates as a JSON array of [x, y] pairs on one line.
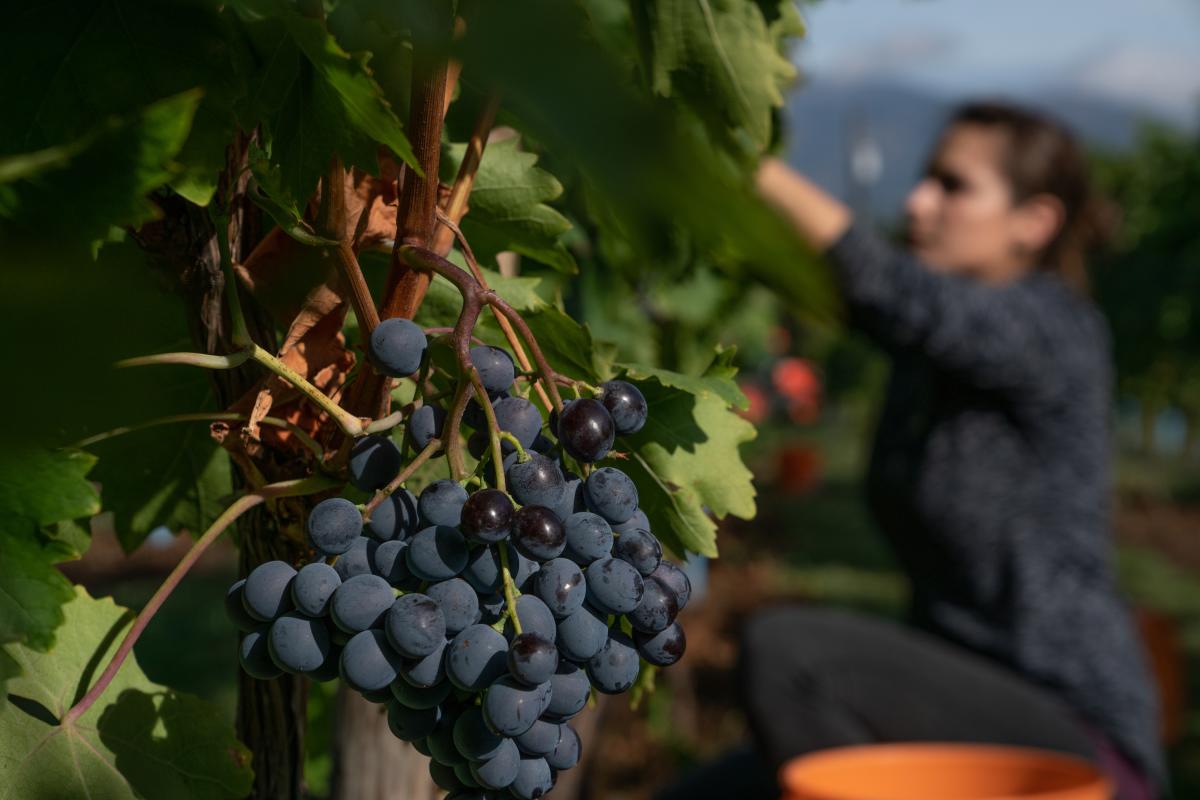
[[414, 610]]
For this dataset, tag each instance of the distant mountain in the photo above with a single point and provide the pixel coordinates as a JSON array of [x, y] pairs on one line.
[[902, 122]]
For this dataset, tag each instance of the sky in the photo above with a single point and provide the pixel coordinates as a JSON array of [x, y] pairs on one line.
[[1142, 51]]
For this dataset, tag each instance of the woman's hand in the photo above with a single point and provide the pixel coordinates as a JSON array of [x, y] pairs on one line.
[[819, 218]]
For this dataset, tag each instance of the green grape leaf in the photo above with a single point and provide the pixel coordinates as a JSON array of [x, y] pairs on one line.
[[443, 302], [567, 345], [268, 193], [315, 99], [685, 461], [724, 57], [139, 740], [508, 208], [38, 488], [79, 190], [718, 379]]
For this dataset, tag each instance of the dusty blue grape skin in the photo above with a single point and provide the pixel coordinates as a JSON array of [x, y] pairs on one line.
[[532, 659], [676, 580], [235, 609], [638, 521], [298, 643], [519, 417], [615, 668], [641, 549], [561, 586], [476, 657], [571, 499], [664, 648], [582, 635], [428, 671], [437, 553], [589, 538], [539, 740], [361, 603], [611, 494], [656, 610], [496, 368], [329, 670], [415, 625], [483, 568], [424, 425], [441, 503], [569, 690], [255, 656], [397, 346], [374, 461], [458, 601], [533, 779], [499, 771], [368, 663], [626, 404], [333, 525], [536, 482], [510, 707], [535, 617], [410, 724], [474, 740], [356, 560], [566, 753], [267, 592], [313, 587], [614, 586], [394, 518], [388, 561], [538, 534]]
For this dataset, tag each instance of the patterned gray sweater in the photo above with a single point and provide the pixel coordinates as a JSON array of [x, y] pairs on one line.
[[990, 477]]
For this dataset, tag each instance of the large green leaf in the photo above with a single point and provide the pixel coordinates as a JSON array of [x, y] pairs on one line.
[[508, 208], [78, 190], [139, 740]]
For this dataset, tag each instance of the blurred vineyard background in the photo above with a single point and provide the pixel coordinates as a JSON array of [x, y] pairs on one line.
[[813, 391]]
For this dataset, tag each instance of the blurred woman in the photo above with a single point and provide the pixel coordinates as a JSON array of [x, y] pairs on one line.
[[989, 474]]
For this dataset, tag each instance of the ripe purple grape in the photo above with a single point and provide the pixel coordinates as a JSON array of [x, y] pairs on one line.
[[397, 347], [538, 481], [611, 494], [374, 462], [487, 516], [441, 503], [333, 525], [586, 430], [496, 368], [626, 404], [664, 648], [538, 534], [267, 593], [640, 549], [532, 659]]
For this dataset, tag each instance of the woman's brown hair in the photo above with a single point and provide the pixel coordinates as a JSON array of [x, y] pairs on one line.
[[1043, 157]]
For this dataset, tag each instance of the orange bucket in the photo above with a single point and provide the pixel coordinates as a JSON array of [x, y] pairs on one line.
[[936, 771]]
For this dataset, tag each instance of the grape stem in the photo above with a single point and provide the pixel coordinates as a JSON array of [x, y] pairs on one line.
[[493, 427], [510, 590], [399, 480], [522, 455], [292, 488]]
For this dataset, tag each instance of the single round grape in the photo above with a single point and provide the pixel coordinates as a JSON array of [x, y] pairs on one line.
[[640, 549], [297, 643], [437, 553], [499, 771], [330, 668], [441, 741], [656, 610], [473, 738], [476, 657], [589, 538], [443, 775], [614, 586], [235, 608], [441, 503], [388, 561], [535, 618], [586, 430], [491, 608], [397, 346], [611, 494], [410, 724], [458, 601], [487, 516], [267, 592], [626, 404], [361, 603], [540, 739], [483, 567], [415, 625], [510, 707], [368, 662], [519, 417], [615, 668], [582, 635], [676, 580], [637, 522], [313, 587], [394, 518], [664, 648], [536, 482], [538, 534], [333, 525], [429, 671], [357, 560], [566, 753], [417, 696], [255, 656], [533, 779], [571, 500], [560, 585], [374, 462], [424, 425], [569, 691], [532, 659], [496, 368]]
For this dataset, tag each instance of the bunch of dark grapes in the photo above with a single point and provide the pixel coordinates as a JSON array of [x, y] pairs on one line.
[[411, 607]]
